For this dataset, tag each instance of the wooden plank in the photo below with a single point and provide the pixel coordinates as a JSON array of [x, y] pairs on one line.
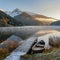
[[21, 50], [26, 45]]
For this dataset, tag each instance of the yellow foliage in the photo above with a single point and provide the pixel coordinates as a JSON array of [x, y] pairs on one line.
[[3, 21], [3, 53]]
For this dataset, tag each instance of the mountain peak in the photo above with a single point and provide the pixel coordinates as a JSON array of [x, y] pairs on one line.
[[17, 10]]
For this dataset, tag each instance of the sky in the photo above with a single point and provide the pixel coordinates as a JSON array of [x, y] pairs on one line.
[[49, 8]]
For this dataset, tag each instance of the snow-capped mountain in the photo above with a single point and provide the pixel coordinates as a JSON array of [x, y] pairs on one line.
[[7, 21], [14, 12], [29, 18], [17, 11]]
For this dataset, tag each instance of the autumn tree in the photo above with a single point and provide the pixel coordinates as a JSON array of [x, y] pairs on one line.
[[3, 21]]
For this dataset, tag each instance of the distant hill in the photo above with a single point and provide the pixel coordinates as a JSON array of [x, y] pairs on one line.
[[56, 23], [6, 20]]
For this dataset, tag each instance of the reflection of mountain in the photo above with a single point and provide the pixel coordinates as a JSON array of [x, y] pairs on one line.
[[28, 18], [6, 20]]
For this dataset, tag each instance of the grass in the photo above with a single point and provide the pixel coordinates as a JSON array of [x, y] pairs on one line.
[[27, 56], [53, 54], [51, 50]]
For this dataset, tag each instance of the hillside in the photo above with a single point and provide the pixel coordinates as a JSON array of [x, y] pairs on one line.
[[6, 20], [27, 19], [56, 23]]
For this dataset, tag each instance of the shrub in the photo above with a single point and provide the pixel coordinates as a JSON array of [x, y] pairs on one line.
[[3, 53]]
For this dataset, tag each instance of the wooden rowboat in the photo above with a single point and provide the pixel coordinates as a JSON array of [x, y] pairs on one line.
[[38, 48]]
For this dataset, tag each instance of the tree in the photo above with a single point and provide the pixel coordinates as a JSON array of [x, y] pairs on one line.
[[3, 21]]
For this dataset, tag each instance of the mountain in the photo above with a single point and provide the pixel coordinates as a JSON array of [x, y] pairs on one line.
[[14, 12], [6, 20], [56, 23], [29, 18]]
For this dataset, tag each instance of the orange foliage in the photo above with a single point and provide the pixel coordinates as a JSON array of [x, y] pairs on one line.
[[15, 44]]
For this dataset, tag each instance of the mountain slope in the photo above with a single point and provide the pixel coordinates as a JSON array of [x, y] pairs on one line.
[[6, 20], [27, 19], [56, 23]]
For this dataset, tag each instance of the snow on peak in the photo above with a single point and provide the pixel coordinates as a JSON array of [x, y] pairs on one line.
[[15, 12]]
